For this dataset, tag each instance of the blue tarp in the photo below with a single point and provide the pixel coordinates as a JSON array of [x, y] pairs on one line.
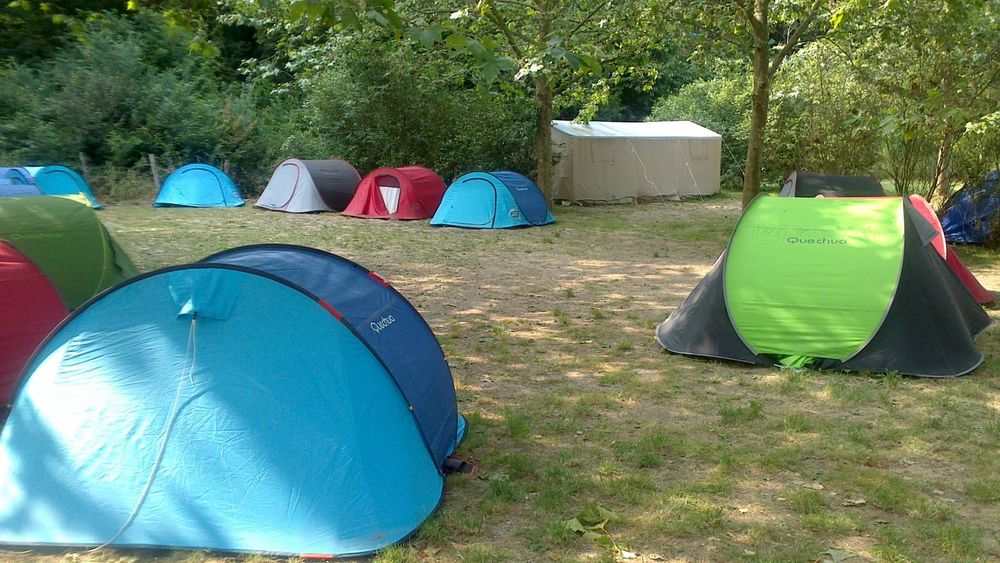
[[213, 407], [198, 185], [59, 180], [492, 200], [972, 211]]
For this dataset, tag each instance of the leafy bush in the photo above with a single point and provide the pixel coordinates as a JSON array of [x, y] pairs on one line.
[[721, 104], [384, 103], [821, 118], [128, 87]]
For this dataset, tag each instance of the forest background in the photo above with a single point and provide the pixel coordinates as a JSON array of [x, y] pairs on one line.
[[905, 90]]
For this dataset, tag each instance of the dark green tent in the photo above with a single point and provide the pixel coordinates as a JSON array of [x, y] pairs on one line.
[[825, 282], [64, 238]]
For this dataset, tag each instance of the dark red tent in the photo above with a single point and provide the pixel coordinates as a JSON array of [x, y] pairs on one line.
[[410, 192], [30, 307]]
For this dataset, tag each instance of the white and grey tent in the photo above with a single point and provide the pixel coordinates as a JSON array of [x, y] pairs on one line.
[[604, 161], [303, 186]]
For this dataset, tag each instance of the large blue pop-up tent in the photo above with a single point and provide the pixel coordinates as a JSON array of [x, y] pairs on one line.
[[492, 200], [270, 399], [198, 185], [59, 180]]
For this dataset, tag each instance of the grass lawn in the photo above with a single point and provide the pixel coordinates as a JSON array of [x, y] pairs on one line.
[[573, 405]]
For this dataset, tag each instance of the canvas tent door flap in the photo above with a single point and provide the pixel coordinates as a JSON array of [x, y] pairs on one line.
[[304, 186], [803, 184], [492, 200], [853, 284], [139, 422], [198, 185]]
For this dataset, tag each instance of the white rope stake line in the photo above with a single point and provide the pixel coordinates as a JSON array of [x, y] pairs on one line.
[[652, 184], [174, 411]]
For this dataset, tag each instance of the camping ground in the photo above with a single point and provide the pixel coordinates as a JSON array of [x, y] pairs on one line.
[[573, 406]]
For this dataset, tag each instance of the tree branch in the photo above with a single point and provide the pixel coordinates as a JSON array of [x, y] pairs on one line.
[[505, 29], [586, 19], [779, 57], [758, 26]]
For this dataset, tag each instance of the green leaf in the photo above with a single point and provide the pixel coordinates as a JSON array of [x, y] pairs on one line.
[[592, 63], [574, 525], [457, 41], [426, 36], [574, 60]]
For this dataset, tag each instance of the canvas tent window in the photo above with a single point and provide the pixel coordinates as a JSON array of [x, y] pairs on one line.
[[602, 152]]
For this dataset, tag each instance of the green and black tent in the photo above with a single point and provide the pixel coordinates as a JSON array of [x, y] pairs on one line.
[[65, 240], [852, 284]]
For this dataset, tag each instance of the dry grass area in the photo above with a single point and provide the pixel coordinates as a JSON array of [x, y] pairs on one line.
[[573, 405]]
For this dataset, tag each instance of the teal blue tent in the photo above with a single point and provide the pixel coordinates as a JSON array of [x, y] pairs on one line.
[[59, 180], [198, 185], [272, 399], [492, 200]]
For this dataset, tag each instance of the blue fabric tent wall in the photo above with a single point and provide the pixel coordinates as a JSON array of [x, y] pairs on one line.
[[219, 407], [972, 211], [198, 185], [59, 180], [383, 319], [14, 175], [492, 200]]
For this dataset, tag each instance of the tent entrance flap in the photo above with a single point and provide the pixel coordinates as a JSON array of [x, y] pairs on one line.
[[791, 275], [389, 188]]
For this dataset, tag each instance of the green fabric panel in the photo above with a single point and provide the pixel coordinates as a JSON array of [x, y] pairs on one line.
[[65, 240], [813, 276]]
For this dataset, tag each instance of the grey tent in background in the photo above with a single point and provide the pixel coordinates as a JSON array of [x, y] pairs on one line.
[[804, 184], [605, 161], [302, 186]]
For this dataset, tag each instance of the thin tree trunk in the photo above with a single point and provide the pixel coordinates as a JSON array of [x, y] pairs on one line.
[[759, 101], [942, 171], [543, 136], [543, 103]]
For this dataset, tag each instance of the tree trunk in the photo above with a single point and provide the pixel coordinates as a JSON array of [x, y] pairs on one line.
[[543, 136], [759, 102], [942, 171]]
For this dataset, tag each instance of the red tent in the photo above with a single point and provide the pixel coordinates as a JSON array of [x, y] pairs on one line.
[[980, 293], [30, 307], [410, 192]]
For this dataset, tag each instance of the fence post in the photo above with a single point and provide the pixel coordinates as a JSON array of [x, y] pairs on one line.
[[156, 173], [83, 166]]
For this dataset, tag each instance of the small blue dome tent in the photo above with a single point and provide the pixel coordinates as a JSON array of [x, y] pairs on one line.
[[15, 175], [492, 200], [59, 180], [198, 185], [17, 182], [224, 407]]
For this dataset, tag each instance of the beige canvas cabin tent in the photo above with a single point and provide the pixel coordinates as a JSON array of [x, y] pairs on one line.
[[604, 161]]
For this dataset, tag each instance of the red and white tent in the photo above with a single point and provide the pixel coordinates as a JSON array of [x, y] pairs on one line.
[[409, 192]]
